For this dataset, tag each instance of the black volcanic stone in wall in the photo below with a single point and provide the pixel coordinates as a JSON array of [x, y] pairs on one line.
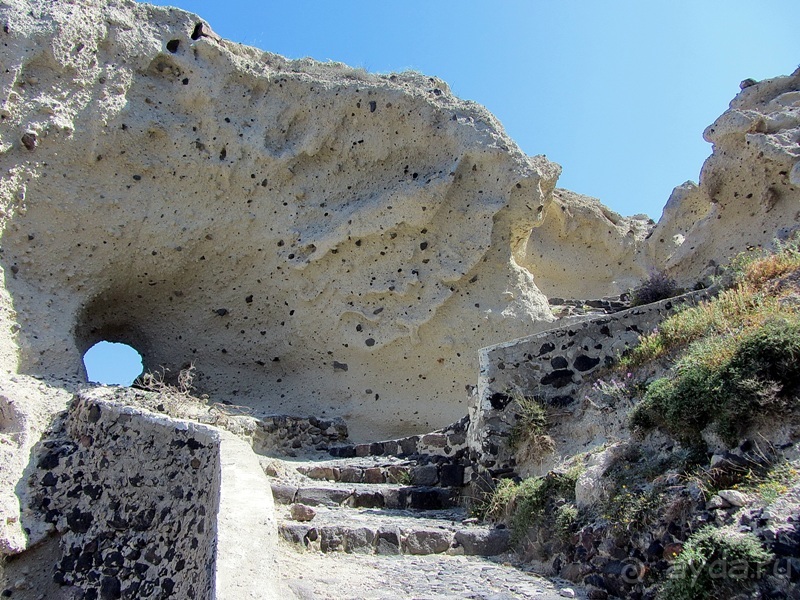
[[584, 363], [409, 445], [342, 451], [78, 521], [558, 378], [499, 401], [451, 475], [560, 401], [94, 413], [546, 348], [143, 520], [428, 499], [559, 362], [110, 588], [51, 459]]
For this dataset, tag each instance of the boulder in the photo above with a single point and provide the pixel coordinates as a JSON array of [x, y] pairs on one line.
[[589, 488], [301, 512], [735, 497]]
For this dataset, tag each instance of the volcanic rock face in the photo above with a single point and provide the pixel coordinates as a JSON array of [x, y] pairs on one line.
[[584, 250], [749, 192], [314, 239]]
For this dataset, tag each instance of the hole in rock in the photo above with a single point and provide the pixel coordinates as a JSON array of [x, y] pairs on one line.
[[112, 363]]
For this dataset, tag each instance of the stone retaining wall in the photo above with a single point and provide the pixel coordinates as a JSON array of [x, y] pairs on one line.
[[147, 506], [551, 367], [284, 435], [442, 454], [134, 499]]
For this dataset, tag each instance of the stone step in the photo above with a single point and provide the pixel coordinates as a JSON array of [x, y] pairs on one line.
[[388, 532], [386, 495], [449, 442], [407, 472]]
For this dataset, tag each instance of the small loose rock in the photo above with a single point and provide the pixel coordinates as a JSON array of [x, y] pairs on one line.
[[301, 512]]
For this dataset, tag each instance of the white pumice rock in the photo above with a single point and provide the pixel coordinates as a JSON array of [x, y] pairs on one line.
[[301, 232], [748, 191], [716, 502], [735, 497]]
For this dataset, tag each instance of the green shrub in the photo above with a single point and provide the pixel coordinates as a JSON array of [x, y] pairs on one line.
[[659, 286], [496, 503], [726, 382], [633, 509], [715, 564], [532, 501], [566, 520], [680, 405]]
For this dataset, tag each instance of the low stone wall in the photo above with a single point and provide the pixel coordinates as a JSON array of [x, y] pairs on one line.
[[550, 366], [284, 435], [442, 454], [143, 508], [134, 499]]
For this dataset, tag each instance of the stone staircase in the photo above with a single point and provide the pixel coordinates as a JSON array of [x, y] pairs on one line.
[[387, 520], [386, 505]]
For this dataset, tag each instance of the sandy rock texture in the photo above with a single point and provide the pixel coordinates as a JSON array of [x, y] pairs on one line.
[[314, 238], [749, 190], [583, 249]]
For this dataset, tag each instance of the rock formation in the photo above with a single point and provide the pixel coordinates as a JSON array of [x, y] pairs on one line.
[[320, 243], [584, 250], [313, 238], [749, 191]]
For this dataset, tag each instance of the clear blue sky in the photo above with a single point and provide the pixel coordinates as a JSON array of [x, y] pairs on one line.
[[617, 92]]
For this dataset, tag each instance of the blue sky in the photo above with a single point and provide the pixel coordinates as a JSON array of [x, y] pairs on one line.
[[617, 92]]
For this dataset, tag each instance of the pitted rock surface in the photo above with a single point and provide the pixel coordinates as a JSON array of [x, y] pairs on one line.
[[313, 238], [585, 250], [749, 187]]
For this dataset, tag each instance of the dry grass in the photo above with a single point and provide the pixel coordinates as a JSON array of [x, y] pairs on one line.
[[760, 286], [529, 433], [735, 356]]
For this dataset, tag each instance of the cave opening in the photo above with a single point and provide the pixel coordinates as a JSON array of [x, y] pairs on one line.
[[112, 363]]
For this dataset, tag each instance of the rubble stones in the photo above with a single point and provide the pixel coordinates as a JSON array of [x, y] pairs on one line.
[[301, 512]]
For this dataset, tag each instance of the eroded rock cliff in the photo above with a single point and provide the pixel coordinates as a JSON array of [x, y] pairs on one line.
[[315, 239], [583, 249], [749, 190]]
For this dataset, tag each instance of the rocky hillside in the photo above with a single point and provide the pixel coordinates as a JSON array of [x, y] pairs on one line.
[[674, 471]]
